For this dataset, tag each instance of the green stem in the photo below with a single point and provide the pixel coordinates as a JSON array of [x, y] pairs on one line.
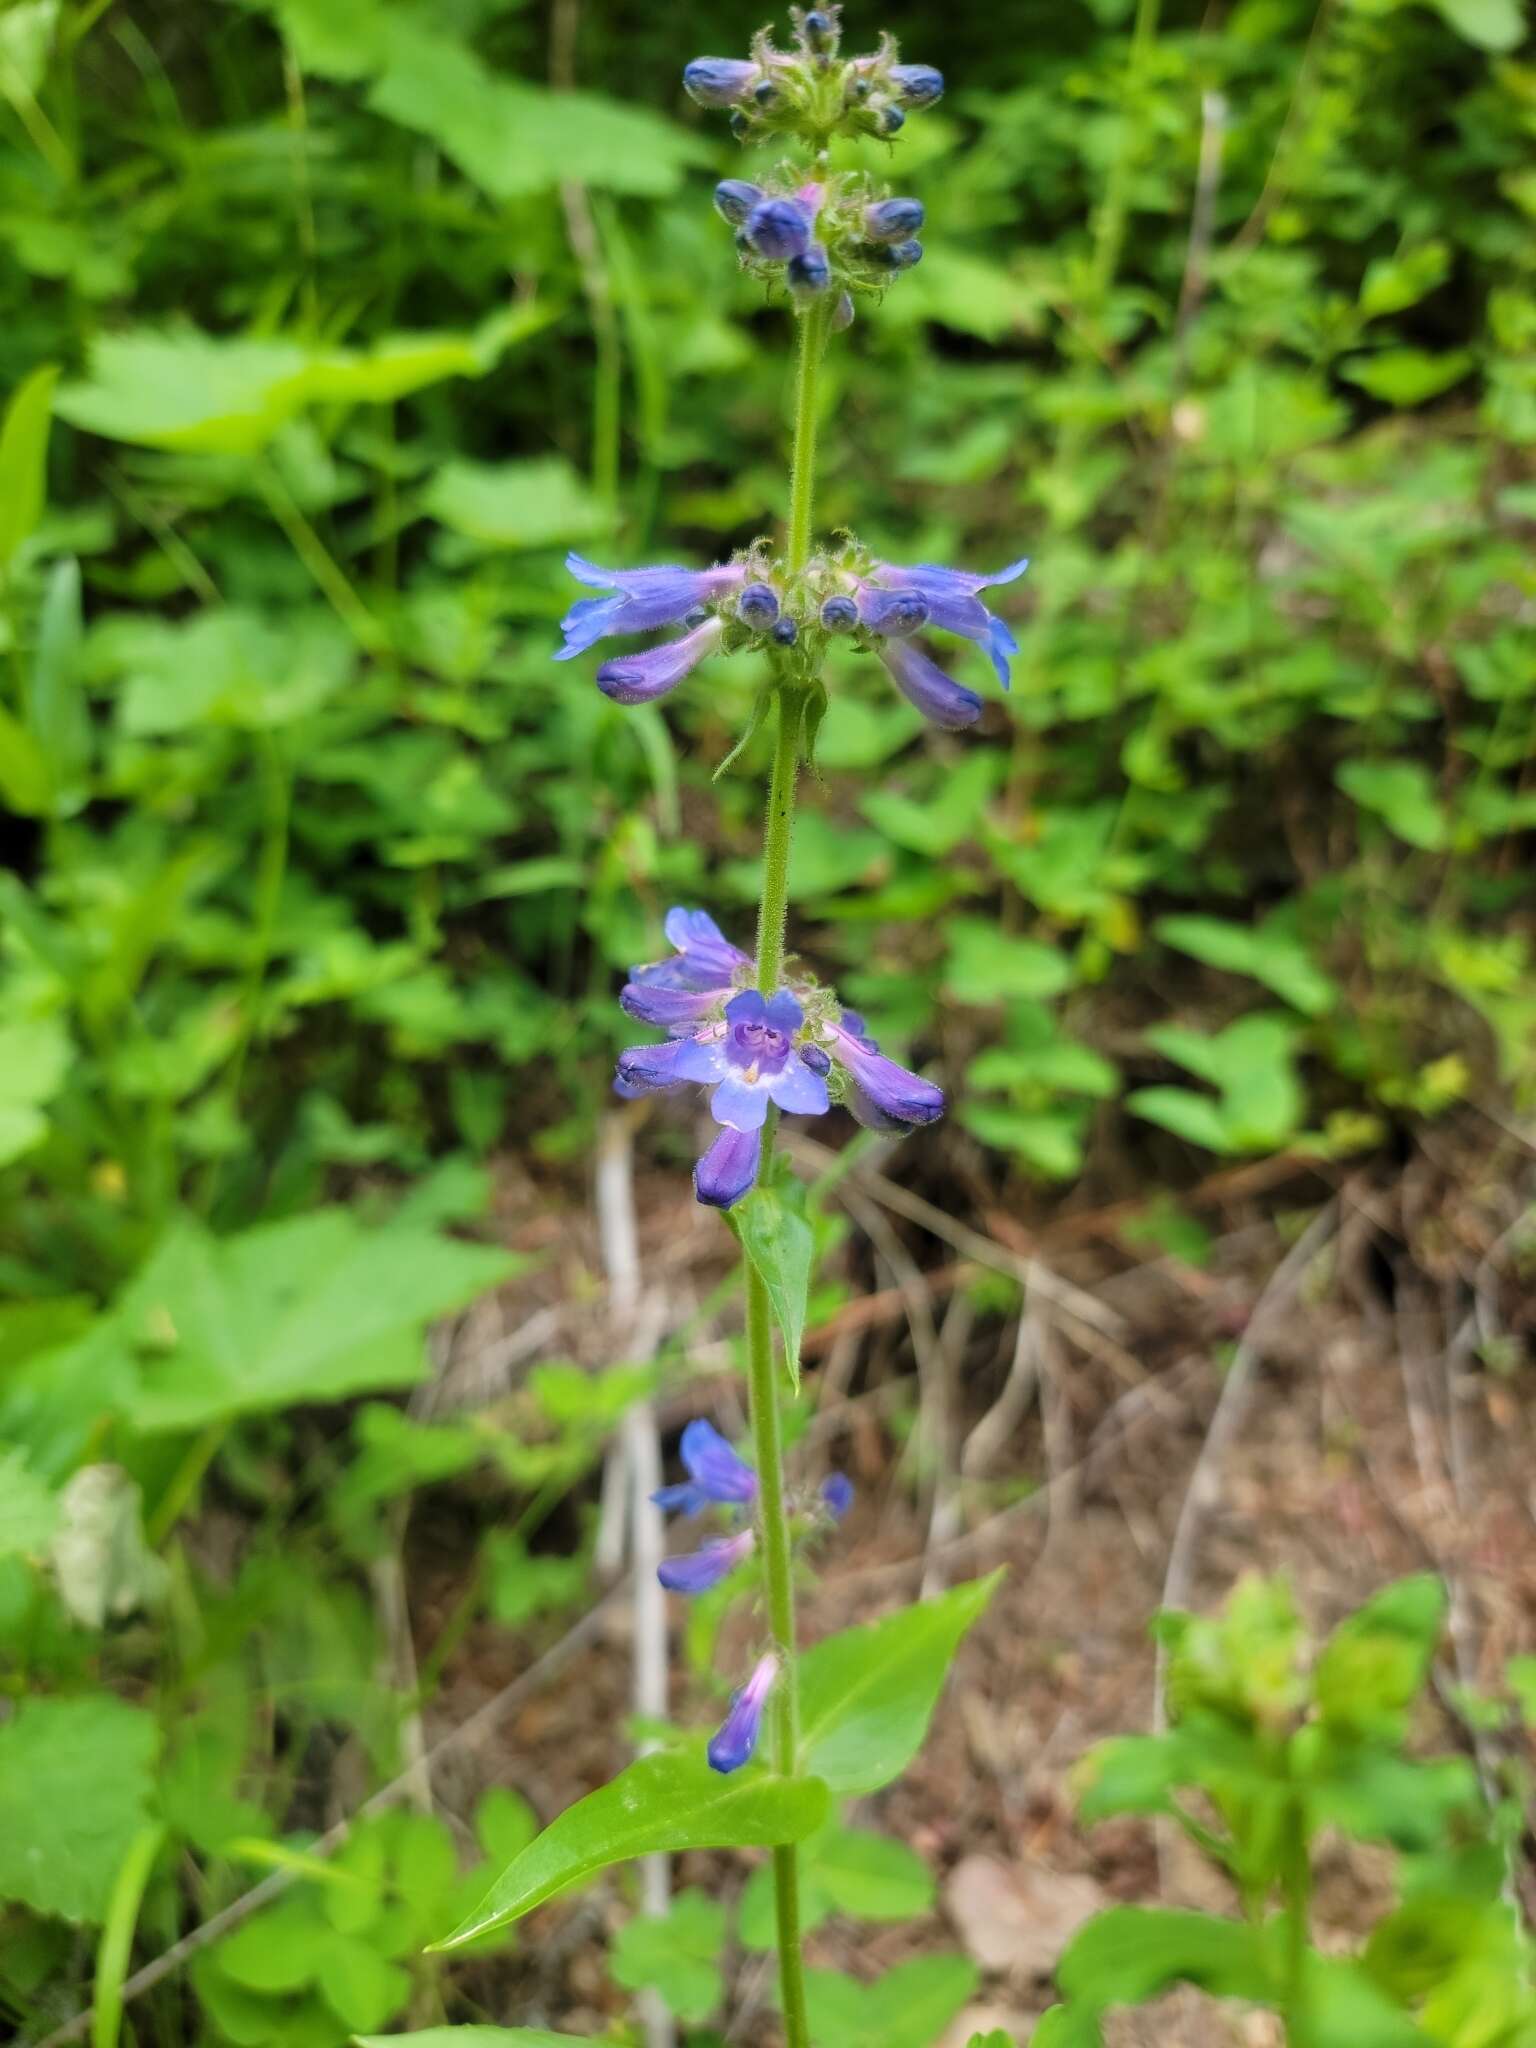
[[1296, 1885], [767, 1438], [802, 469]]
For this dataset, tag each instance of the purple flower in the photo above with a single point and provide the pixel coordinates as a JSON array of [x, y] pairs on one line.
[[954, 607], [735, 199], [882, 1094], [718, 81], [839, 614], [778, 229], [894, 612], [896, 255], [641, 678], [892, 220], [809, 273], [837, 1494], [706, 959], [737, 1736], [702, 1569], [728, 1168], [715, 1474], [642, 599], [754, 1062], [758, 606], [923, 683], [919, 84]]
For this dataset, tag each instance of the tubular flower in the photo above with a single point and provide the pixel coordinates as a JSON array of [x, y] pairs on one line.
[[717, 1477], [837, 1494], [641, 599], [703, 1569], [733, 1745], [953, 605], [756, 1052]]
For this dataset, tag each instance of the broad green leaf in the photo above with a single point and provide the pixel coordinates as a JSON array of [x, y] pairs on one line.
[[842, 1870], [1393, 283], [1130, 1954], [25, 784], [310, 1309], [909, 2007], [867, 1695], [233, 667], [29, 1508], [1408, 376], [477, 2037], [76, 1780], [1068, 2026], [989, 966], [1281, 963], [1491, 24], [676, 1953], [664, 1804], [1048, 1140], [1401, 793], [782, 1248], [34, 1063], [26, 40], [1375, 1663], [937, 825], [538, 503], [24, 459], [176, 387], [1187, 1115]]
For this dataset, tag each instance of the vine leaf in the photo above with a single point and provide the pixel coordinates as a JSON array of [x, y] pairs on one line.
[[665, 1804]]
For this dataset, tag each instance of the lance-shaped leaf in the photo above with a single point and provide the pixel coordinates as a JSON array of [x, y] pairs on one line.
[[661, 1805], [867, 1695], [781, 1245]]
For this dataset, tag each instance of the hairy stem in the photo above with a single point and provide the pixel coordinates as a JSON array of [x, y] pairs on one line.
[[767, 1440], [802, 467]]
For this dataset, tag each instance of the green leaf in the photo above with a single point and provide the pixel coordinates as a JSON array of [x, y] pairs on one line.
[[1408, 376], [1393, 283], [842, 1870], [988, 966], [782, 1248], [34, 1063], [1180, 1110], [29, 1508], [56, 706], [1280, 962], [539, 503], [1132, 1953], [1490, 24], [909, 2007], [24, 459], [26, 41], [676, 1953], [476, 2037], [867, 1695], [1047, 1140], [25, 783], [76, 1780], [664, 1803], [1376, 1662], [310, 1309], [1401, 793]]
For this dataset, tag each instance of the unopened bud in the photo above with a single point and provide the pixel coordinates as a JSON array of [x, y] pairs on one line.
[[842, 314], [819, 29], [777, 229], [809, 273], [919, 84], [891, 120], [718, 81], [735, 199], [758, 606], [839, 614], [894, 255], [786, 632], [889, 220], [766, 93]]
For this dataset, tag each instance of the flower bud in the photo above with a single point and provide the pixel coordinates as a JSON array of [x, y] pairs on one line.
[[839, 615], [891, 120], [786, 632], [919, 84], [718, 81], [758, 606], [735, 199], [766, 93], [818, 1061], [893, 255], [809, 273], [888, 220], [777, 229], [842, 314], [741, 125], [819, 29]]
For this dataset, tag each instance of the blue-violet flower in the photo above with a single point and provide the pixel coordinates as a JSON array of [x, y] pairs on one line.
[[716, 1475], [733, 1745], [703, 1569]]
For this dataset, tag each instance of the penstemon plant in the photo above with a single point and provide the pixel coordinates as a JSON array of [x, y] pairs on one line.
[[763, 1035]]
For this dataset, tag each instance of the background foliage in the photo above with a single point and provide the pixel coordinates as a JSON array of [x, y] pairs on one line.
[[328, 328]]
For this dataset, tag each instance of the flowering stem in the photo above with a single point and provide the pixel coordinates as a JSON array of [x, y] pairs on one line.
[[767, 1441], [802, 472]]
